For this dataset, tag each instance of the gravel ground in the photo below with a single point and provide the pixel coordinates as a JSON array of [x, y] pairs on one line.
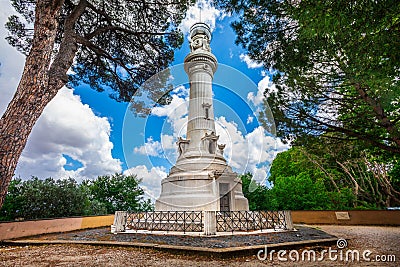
[[379, 240]]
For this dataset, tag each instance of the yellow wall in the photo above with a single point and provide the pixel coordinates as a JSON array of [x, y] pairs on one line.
[[97, 221]]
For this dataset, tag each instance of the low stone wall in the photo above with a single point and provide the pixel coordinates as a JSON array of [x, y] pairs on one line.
[[352, 217], [11, 230]]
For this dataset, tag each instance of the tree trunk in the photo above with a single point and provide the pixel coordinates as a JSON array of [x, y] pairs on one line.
[[32, 95]]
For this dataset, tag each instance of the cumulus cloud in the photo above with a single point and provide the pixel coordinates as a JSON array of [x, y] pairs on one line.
[[68, 127], [176, 112], [151, 148], [175, 123], [209, 15], [168, 142], [252, 151], [151, 179], [259, 97], [251, 64]]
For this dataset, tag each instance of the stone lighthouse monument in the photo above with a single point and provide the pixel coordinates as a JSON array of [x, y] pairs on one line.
[[201, 178]]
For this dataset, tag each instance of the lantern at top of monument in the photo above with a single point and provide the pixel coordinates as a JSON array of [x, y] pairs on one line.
[[200, 37], [200, 51]]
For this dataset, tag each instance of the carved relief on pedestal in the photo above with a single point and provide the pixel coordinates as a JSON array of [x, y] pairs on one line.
[[210, 142], [182, 145], [221, 148], [215, 174]]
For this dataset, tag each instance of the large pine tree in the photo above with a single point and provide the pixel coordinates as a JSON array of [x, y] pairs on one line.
[[114, 44]]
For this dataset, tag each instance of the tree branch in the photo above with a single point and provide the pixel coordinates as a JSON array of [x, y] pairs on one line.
[[68, 47], [99, 31], [379, 113]]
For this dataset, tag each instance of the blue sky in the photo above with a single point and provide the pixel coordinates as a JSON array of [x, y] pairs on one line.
[[83, 133]]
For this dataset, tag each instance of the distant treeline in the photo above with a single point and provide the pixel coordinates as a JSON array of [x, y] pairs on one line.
[[50, 198]]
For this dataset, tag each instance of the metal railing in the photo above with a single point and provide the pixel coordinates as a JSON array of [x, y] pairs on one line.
[[230, 221], [184, 221], [208, 222]]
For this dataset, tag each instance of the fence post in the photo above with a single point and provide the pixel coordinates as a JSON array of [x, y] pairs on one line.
[[210, 222], [120, 219], [288, 220]]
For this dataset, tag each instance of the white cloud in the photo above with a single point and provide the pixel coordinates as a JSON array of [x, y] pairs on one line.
[[258, 98], [176, 112], [151, 179], [168, 141], [252, 152], [249, 119], [209, 15], [176, 116], [251, 64], [151, 148], [170, 148], [68, 127]]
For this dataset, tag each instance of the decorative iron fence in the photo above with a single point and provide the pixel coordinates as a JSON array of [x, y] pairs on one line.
[[208, 222], [230, 221], [184, 221]]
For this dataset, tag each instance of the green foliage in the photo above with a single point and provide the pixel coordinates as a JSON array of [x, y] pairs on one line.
[[292, 163], [112, 46], [259, 196], [345, 200], [49, 198], [288, 193], [308, 182], [116, 192], [94, 207], [301, 182], [300, 193], [11, 208], [336, 66]]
